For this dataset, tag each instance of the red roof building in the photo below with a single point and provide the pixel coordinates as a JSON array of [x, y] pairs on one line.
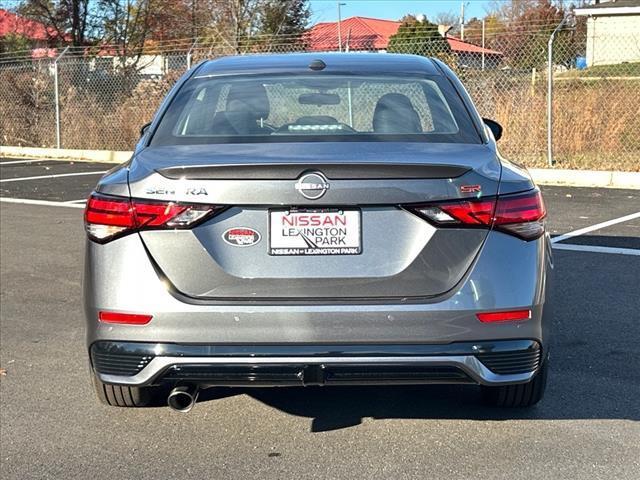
[[460, 46], [10, 23], [360, 32], [40, 36], [364, 33]]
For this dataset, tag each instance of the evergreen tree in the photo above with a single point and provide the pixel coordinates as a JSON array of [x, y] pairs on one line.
[[420, 37], [284, 17]]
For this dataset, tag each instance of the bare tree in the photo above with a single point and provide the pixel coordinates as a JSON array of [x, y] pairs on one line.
[[446, 18], [67, 21], [126, 26]]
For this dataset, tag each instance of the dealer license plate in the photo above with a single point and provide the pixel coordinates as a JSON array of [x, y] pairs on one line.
[[315, 232]]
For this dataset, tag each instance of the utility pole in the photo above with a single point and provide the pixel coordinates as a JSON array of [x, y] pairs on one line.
[[462, 5], [194, 28], [340, 26]]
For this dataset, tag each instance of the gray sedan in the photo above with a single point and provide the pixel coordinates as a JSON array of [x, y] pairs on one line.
[[316, 219]]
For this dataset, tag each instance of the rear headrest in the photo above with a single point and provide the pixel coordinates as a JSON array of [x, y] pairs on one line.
[[394, 113], [250, 97]]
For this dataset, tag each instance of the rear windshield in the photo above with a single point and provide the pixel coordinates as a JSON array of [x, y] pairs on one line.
[[287, 108]]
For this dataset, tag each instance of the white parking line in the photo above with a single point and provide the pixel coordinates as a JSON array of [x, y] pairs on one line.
[[596, 249], [22, 179], [597, 226], [76, 201], [14, 162], [27, 201]]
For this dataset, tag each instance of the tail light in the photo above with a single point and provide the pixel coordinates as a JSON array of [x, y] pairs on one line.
[[107, 217], [521, 214]]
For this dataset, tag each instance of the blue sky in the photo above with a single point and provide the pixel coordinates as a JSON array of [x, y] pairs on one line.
[[326, 10]]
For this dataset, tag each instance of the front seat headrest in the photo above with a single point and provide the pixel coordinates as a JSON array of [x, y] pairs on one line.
[[250, 98], [394, 113]]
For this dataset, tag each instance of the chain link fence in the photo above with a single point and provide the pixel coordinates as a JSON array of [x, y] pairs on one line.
[[105, 98]]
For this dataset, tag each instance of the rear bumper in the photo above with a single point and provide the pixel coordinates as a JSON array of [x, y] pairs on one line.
[[486, 363], [509, 274]]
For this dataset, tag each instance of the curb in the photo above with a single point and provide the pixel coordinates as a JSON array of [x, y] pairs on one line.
[[586, 178], [103, 156], [542, 176]]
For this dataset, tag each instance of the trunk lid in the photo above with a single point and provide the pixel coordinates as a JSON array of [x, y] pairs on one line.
[[291, 198]]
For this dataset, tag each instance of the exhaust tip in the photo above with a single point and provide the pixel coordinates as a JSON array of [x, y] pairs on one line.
[[182, 398]]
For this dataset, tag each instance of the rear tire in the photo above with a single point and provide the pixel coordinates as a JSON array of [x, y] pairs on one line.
[[123, 396], [522, 395]]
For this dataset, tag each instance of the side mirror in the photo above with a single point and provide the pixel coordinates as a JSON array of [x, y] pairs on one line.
[[495, 128], [144, 129]]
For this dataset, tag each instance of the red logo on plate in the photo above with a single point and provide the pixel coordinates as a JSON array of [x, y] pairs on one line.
[[241, 236]]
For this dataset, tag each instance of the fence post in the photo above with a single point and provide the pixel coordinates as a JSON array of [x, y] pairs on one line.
[[483, 44], [550, 93], [193, 45], [57, 95]]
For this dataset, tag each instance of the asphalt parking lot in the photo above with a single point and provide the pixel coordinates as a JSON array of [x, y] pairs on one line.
[[52, 426]]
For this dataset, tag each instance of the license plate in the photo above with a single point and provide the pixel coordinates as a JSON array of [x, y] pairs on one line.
[[315, 232]]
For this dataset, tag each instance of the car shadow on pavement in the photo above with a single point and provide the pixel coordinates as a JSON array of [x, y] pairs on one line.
[[595, 368], [333, 408]]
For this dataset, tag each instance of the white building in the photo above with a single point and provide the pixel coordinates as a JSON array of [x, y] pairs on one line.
[[613, 31]]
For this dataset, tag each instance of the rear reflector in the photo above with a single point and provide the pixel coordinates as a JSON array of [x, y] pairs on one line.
[[521, 214], [126, 318], [109, 217], [488, 317]]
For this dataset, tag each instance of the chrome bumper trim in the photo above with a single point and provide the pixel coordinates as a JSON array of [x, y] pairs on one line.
[[467, 363]]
